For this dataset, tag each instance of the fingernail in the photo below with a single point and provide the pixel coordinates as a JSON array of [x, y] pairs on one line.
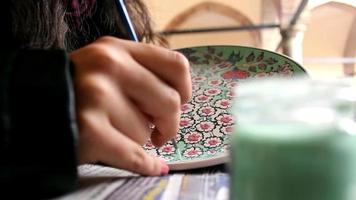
[[164, 170]]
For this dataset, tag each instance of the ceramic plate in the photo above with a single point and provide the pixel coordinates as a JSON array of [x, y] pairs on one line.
[[206, 125]]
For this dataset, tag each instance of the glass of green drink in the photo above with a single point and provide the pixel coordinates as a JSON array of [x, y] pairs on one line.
[[294, 139]]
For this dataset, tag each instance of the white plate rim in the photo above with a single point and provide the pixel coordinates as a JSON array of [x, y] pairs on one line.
[[199, 162]]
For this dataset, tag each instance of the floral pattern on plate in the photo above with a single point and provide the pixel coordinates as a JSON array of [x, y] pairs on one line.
[[206, 124]]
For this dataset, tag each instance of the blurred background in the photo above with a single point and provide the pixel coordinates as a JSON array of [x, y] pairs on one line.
[[319, 34]]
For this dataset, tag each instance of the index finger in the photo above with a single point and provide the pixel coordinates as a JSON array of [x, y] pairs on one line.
[[170, 66]]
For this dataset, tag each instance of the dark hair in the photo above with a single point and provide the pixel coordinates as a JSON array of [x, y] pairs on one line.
[[46, 24]]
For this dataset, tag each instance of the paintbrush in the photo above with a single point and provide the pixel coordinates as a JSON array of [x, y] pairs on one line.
[[125, 17]]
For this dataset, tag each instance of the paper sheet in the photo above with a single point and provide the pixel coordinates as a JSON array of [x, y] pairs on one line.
[[99, 182]]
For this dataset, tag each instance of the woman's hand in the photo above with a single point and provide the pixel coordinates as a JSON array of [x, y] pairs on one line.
[[121, 87]]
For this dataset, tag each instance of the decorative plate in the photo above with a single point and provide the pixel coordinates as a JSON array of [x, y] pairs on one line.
[[206, 124]]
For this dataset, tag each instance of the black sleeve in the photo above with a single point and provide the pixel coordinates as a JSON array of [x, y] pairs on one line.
[[37, 126]]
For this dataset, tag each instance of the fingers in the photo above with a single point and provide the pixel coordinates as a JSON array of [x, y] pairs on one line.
[[121, 152], [126, 118], [129, 120], [165, 128], [123, 86], [105, 97], [156, 79], [170, 66], [156, 99]]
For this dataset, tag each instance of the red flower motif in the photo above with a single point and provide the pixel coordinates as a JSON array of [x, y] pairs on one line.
[[227, 130], [205, 111], [215, 82], [192, 152], [193, 137], [212, 92], [186, 108], [223, 103], [228, 75], [230, 94], [225, 119], [185, 122], [195, 87], [236, 74], [241, 74], [262, 75], [178, 136], [148, 145], [212, 142], [231, 85], [205, 126], [202, 98], [286, 71], [212, 152], [167, 149], [198, 79], [224, 64]]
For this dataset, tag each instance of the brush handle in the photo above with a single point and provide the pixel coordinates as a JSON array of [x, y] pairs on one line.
[[125, 17]]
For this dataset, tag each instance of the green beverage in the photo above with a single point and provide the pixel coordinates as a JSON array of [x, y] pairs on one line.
[[299, 145]]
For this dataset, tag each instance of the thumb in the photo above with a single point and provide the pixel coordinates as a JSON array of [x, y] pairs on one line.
[[121, 152]]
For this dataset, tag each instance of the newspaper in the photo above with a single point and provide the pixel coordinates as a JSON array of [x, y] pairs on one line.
[[100, 182]]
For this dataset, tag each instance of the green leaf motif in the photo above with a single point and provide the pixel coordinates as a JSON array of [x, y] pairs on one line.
[[207, 56], [260, 57], [252, 69], [211, 50], [194, 59], [188, 51], [262, 66], [217, 60], [250, 57], [271, 61], [234, 58]]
